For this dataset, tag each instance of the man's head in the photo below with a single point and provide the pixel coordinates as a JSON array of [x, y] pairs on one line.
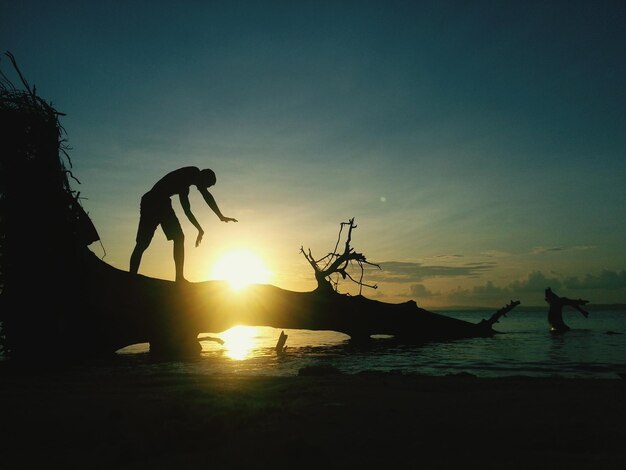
[[207, 178]]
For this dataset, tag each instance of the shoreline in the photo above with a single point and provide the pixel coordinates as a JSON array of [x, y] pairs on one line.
[[173, 420]]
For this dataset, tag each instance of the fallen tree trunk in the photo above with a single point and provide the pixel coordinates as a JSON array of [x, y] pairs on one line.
[[127, 309]]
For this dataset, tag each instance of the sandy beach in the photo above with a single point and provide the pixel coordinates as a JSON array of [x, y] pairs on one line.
[[67, 418]]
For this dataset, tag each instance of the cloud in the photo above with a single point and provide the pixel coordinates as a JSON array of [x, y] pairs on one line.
[[496, 254], [420, 291], [609, 280], [533, 286], [536, 282], [543, 249], [399, 271], [531, 290]]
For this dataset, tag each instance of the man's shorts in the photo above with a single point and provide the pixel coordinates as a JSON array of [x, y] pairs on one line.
[[155, 211]]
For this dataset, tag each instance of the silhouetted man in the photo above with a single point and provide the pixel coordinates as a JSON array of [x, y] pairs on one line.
[[156, 209]]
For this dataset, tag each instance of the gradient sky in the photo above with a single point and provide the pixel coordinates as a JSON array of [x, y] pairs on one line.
[[480, 146]]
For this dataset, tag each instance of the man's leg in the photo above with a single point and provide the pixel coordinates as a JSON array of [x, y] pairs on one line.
[[145, 231], [135, 257], [174, 232], [179, 257]]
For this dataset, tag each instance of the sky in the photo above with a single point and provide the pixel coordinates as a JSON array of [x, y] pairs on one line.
[[479, 146]]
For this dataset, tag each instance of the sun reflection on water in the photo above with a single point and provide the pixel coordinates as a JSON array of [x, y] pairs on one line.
[[239, 342]]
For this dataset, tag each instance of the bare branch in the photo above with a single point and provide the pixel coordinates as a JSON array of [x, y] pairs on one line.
[[334, 253], [338, 263], [310, 259], [495, 317]]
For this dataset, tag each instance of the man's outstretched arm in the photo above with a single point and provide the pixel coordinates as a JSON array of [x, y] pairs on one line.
[[210, 200]]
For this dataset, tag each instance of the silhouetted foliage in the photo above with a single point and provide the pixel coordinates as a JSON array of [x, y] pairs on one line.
[[42, 223]]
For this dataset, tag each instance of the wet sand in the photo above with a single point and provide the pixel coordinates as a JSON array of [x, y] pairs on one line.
[[96, 420]]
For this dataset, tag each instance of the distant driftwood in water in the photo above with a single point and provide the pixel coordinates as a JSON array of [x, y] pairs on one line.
[[555, 313], [58, 296]]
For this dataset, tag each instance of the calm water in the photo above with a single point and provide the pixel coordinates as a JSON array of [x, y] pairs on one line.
[[523, 347]]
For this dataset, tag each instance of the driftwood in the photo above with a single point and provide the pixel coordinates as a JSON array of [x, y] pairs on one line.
[[111, 308], [129, 309], [555, 313], [280, 344], [59, 297]]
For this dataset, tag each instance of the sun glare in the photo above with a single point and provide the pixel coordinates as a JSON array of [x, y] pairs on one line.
[[241, 268], [239, 341]]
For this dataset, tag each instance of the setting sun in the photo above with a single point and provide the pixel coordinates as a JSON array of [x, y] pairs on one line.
[[241, 268]]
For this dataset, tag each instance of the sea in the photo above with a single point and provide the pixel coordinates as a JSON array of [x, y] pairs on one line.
[[523, 345], [595, 347]]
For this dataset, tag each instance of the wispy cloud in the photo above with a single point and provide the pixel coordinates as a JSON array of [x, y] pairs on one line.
[[543, 249], [496, 254], [399, 271]]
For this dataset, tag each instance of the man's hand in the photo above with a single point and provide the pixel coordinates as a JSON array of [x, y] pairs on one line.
[[229, 219], [199, 238]]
